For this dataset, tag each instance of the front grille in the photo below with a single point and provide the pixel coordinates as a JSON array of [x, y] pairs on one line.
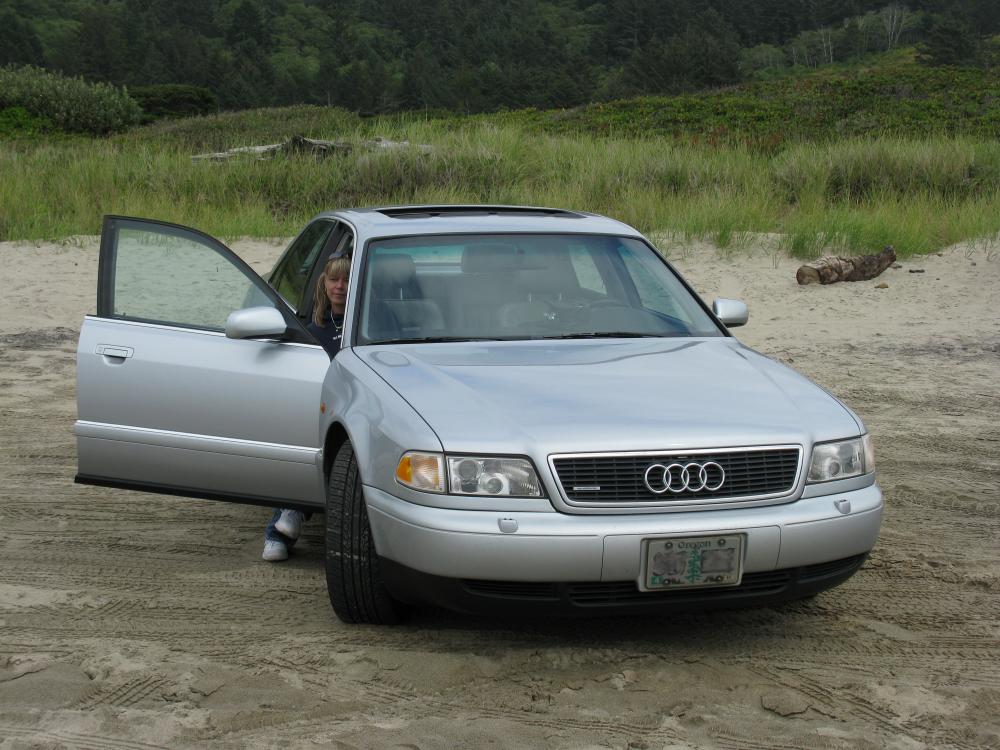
[[619, 479]]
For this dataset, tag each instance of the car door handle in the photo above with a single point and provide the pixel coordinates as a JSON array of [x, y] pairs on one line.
[[118, 352]]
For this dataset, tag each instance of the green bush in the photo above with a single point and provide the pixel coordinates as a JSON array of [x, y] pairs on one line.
[[71, 104], [174, 100], [18, 121]]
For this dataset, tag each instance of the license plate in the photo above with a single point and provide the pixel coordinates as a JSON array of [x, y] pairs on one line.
[[692, 562]]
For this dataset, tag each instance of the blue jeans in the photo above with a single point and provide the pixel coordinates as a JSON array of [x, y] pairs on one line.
[[271, 534]]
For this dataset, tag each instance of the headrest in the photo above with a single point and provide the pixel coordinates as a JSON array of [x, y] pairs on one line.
[[547, 281], [489, 257], [396, 268]]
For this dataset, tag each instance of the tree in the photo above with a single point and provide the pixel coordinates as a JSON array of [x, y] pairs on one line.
[[250, 41], [895, 20], [705, 54], [760, 58], [100, 49], [248, 26], [948, 41], [814, 48], [19, 43], [425, 83]]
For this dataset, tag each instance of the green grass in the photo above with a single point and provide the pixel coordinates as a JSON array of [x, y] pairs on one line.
[[920, 183], [849, 196]]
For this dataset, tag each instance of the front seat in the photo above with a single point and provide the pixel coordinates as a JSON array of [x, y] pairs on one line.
[[400, 309]]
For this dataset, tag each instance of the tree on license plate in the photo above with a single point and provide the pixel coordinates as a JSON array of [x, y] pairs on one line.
[[695, 561]]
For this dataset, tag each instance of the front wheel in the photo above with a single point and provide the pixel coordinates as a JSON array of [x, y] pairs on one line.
[[353, 579]]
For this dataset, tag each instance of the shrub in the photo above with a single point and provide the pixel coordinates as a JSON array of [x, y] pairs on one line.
[[174, 100], [18, 121], [71, 104]]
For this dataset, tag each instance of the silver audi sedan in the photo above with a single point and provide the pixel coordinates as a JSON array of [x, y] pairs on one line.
[[531, 412]]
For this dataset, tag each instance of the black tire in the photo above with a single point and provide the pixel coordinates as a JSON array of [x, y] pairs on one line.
[[353, 579]]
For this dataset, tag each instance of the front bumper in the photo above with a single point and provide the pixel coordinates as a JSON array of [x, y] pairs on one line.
[[512, 598], [555, 548]]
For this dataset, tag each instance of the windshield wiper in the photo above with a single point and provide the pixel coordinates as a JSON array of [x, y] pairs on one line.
[[443, 339], [607, 335]]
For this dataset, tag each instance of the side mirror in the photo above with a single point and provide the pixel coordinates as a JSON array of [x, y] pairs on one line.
[[255, 322], [731, 312]]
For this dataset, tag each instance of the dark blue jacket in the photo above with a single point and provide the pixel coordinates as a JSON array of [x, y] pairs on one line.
[[328, 335]]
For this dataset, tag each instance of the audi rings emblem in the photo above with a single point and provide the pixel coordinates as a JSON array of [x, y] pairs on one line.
[[690, 477]]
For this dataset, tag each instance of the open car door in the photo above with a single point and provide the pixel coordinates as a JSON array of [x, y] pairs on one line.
[[167, 402]]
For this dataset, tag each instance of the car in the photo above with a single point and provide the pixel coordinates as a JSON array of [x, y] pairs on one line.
[[532, 413]]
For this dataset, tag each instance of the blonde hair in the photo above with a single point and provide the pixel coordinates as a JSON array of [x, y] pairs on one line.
[[335, 268]]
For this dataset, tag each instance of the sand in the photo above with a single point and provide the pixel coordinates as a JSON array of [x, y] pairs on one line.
[[141, 621]]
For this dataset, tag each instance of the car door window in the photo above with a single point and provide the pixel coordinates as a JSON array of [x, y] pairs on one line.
[[340, 242], [175, 276], [292, 272]]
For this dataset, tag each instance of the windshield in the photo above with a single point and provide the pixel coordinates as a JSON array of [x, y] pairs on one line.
[[522, 286]]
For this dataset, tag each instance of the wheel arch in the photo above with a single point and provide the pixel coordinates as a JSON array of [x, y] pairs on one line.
[[336, 436]]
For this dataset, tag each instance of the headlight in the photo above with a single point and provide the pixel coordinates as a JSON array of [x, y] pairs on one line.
[[842, 460], [421, 471], [504, 477]]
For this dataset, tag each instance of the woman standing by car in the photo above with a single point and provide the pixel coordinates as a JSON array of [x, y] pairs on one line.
[[327, 326]]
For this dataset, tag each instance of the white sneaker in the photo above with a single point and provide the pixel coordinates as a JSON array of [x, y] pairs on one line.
[[290, 523], [275, 551]]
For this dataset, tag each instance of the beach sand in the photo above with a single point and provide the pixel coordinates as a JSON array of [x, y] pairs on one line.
[[131, 620]]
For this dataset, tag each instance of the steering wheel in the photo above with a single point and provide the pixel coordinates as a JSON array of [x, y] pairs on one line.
[[517, 315]]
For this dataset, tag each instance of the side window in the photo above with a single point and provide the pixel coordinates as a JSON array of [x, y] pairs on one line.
[[586, 271], [332, 245], [171, 275], [292, 273]]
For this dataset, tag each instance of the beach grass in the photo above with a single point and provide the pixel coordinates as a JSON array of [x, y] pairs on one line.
[[848, 196]]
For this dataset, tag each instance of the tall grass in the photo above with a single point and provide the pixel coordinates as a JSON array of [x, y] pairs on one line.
[[849, 196]]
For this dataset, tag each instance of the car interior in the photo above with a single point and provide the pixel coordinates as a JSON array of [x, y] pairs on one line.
[[496, 289]]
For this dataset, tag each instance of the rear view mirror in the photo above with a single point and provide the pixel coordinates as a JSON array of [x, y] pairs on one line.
[[731, 312], [255, 322]]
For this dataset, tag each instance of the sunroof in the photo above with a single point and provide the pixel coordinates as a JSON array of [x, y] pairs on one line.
[[423, 212]]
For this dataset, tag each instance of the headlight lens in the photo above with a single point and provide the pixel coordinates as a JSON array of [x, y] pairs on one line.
[[494, 476], [421, 471], [842, 460]]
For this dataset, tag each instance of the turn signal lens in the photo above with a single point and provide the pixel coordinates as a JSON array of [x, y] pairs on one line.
[[421, 471]]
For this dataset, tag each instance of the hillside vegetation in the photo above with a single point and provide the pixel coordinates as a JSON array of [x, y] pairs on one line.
[[382, 56], [898, 98], [845, 160]]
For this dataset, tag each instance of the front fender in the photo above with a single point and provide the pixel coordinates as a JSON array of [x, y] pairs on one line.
[[380, 423]]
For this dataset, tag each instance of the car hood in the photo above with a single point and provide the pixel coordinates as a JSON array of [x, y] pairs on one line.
[[542, 397]]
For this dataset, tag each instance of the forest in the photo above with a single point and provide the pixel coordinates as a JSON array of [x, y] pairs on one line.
[[381, 56]]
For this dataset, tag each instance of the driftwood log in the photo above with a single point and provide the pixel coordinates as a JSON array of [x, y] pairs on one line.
[[298, 144], [833, 268]]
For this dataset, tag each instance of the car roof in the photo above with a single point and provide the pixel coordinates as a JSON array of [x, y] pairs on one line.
[[392, 221]]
